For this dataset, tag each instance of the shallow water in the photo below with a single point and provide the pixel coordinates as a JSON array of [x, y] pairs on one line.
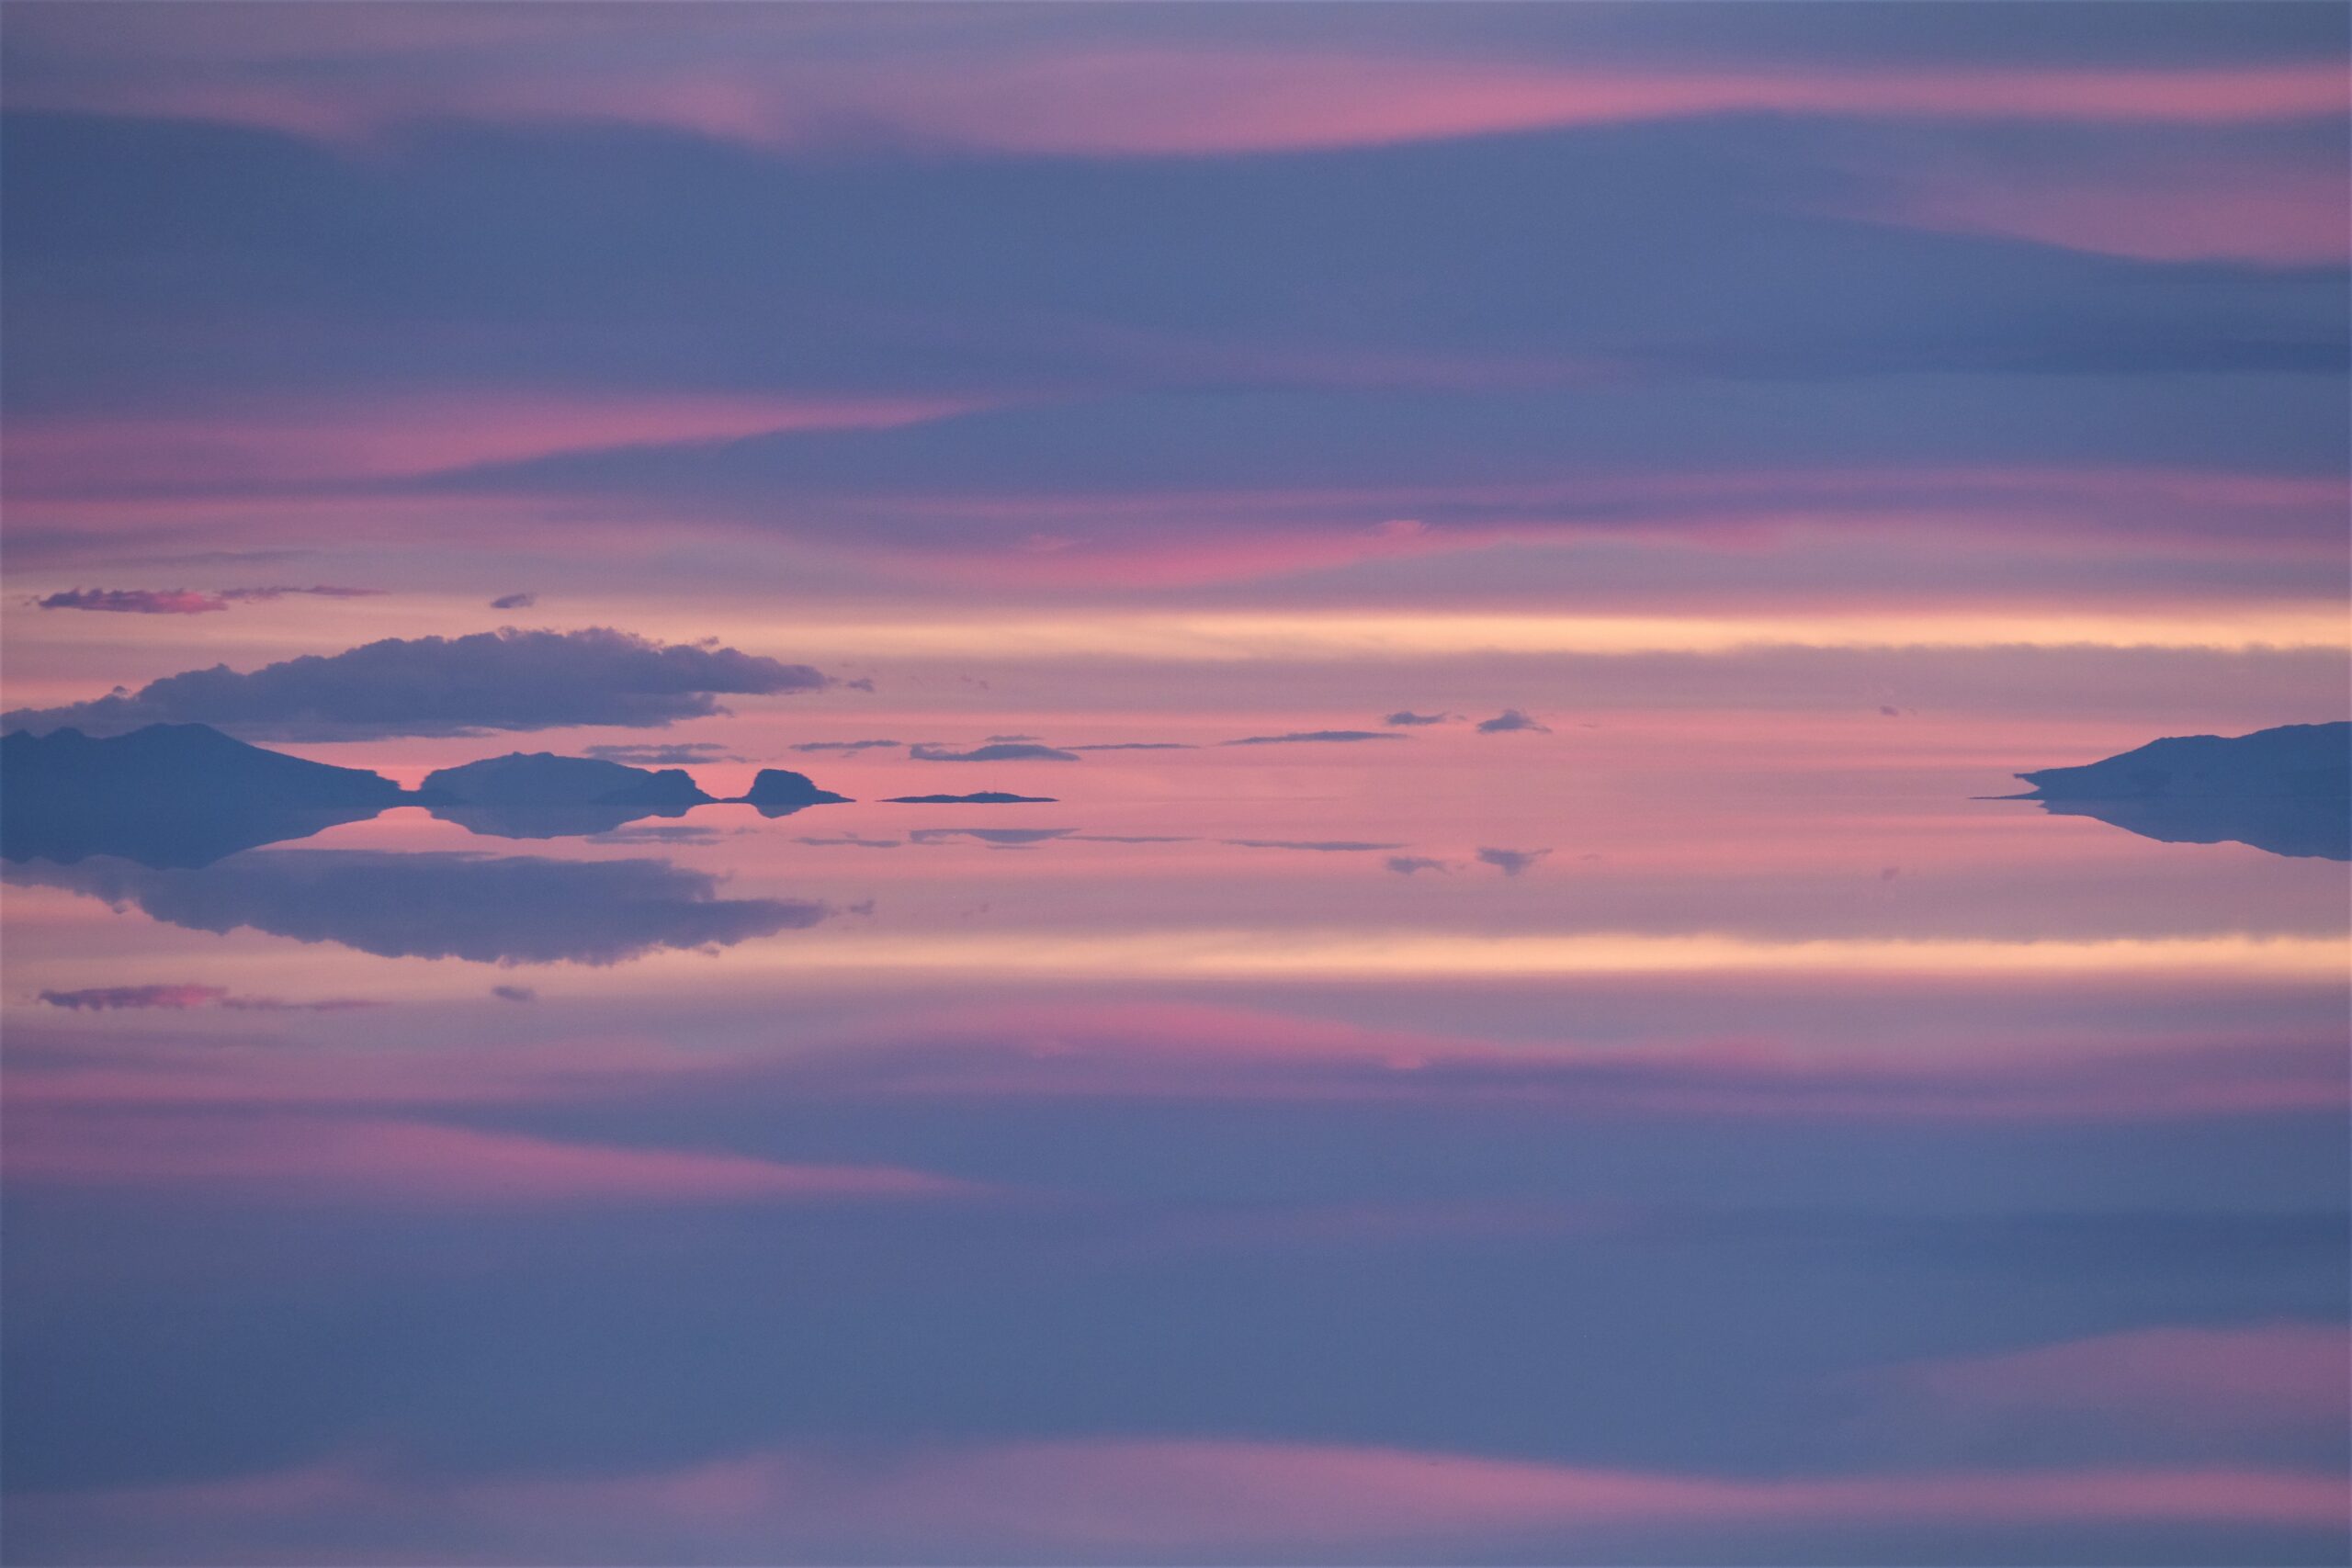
[[1585, 1156]]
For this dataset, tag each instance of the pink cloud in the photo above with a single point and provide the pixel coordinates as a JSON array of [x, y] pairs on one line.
[[119, 491], [310, 1160], [2186, 210], [1178, 1052], [2189, 1378], [1156, 1495], [371, 438], [767, 89]]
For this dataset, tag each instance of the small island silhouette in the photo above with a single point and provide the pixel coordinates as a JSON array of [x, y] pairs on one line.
[[184, 795], [2287, 790], [537, 795], [779, 791]]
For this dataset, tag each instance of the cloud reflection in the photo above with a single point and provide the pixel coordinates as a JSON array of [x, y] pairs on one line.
[[443, 904]]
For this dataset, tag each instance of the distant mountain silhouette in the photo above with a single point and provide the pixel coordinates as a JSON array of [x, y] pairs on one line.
[[2287, 790], [168, 795], [537, 795], [779, 791], [985, 797]]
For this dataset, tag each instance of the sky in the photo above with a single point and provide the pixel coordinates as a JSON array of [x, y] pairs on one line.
[[1083, 332], [1515, 543]]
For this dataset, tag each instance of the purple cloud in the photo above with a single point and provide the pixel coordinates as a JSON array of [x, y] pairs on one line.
[[183, 600], [997, 751], [180, 998], [135, 601], [506, 679], [1510, 721], [1511, 862], [1298, 734]]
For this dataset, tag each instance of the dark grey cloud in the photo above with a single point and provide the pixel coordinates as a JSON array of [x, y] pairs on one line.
[[652, 755], [183, 601], [850, 840], [844, 745], [506, 679], [1405, 717], [1509, 721], [1408, 866], [1011, 737], [1511, 862], [513, 601], [996, 751], [1299, 735], [1137, 746], [134, 601], [180, 998], [514, 993], [442, 904]]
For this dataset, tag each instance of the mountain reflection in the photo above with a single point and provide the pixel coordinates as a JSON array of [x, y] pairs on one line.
[[2278, 825]]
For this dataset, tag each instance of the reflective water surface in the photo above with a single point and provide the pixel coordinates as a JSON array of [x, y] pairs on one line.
[[1590, 1155]]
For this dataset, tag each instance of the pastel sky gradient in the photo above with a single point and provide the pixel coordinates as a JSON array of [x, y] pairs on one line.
[[1520, 541]]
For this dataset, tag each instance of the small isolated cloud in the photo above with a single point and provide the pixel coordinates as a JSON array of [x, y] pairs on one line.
[[182, 601], [1013, 738], [1511, 862], [1409, 865], [135, 601], [652, 755], [1137, 746], [513, 601], [1316, 844], [844, 745], [514, 993], [1890, 712], [996, 751], [1509, 721], [1298, 734], [1407, 717], [181, 998], [506, 679]]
